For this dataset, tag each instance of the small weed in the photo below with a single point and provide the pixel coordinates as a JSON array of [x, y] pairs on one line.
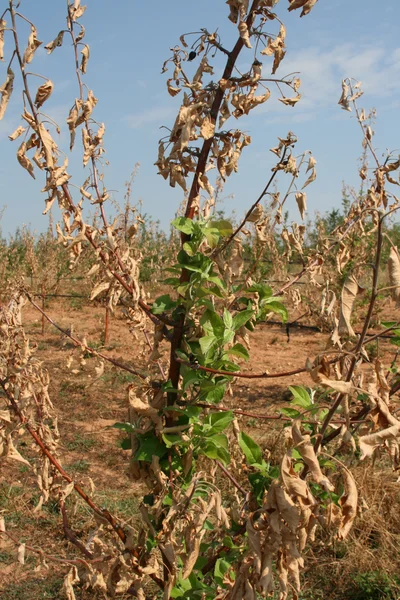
[[49, 588], [80, 466], [81, 443], [374, 585]]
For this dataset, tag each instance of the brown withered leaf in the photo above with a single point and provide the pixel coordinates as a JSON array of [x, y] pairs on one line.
[[33, 45], [244, 34], [369, 443], [15, 134], [348, 503], [70, 580], [44, 92], [172, 90], [301, 199], [85, 58], [306, 449], [56, 43], [305, 5], [276, 47], [290, 101], [3, 25], [207, 128], [6, 90], [24, 161], [394, 274], [256, 214], [21, 554], [350, 290], [344, 98], [295, 486]]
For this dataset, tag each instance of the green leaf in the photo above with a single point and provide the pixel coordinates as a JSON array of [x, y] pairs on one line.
[[221, 567], [126, 444], [241, 318], [227, 318], [224, 227], [206, 343], [212, 392], [128, 427], [215, 452], [183, 224], [212, 323], [250, 449], [212, 236], [162, 304], [172, 439], [264, 291], [301, 396], [149, 445], [240, 351], [290, 412], [276, 307], [219, 421], [190, 248]]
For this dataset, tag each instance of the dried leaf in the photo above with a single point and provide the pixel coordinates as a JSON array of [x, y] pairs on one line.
[[44, 93], [70, 580], [369, 443], [244, 34], [306, 6], [256, 214], [207, 129], [3, 25], [85, 57], [6, 90], [349, 293], [100, 287], [348, 503], [56, 43], [19, 131], [24, 161], [21, 554], [394, 274], [304, 446], [301, 199], [33, 45]]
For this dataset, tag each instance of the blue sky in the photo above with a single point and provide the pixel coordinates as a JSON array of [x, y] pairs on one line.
[[130, 39]]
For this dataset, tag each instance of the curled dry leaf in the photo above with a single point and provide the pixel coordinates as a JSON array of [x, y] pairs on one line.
[[350, 290], [24, 161], [44, 92], [70, 580], [6, 91], [21, 554], [56, 43], [306, 449], [305, 5], [369, 443], [256, 214], [301, 199], [207, 128], [85, 57], [33, 45], [348, 503], [3, 25], [15, 134], [244, 34], [394, 274]]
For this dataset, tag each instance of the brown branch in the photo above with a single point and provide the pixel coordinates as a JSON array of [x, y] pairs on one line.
[[69, 534], [263, 375], [174, 370], [231, 478]]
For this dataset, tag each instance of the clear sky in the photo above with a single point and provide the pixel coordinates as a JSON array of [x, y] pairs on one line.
[[130, 39]]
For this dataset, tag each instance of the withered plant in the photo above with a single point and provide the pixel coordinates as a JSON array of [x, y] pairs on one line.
[[222, 517]]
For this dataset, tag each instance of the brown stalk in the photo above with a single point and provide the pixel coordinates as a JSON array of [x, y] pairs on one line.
[[175, 367]]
